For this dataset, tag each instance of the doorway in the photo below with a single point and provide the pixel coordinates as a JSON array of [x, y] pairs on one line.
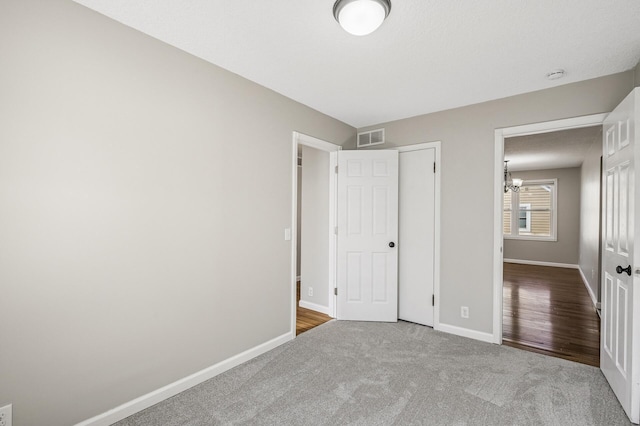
[[546, 276], [313, 240], [551, 243]]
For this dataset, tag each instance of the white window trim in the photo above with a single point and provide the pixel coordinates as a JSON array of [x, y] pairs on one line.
[[554, 214]]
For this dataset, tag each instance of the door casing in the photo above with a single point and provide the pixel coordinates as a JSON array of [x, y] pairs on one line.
[[310, 141], [498, 170]]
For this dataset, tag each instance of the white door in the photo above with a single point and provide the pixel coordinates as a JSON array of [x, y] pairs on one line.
[[367, 261], [620, 343], [416, 253]]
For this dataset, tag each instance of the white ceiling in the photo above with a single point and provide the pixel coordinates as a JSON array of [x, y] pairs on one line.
[[554, 150], [428, 56]]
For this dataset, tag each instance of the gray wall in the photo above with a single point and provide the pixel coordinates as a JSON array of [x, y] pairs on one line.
[[566, 248], [637, 75], [143, 199], [467, 136], [314, 248], [590, 218]]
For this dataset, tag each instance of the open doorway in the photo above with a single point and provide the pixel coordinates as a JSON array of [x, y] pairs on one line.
[[313, 248], [550, 225]]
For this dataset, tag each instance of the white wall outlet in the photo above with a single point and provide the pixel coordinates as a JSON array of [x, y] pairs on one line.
[[464, 311], [310, 291], [5, 415]]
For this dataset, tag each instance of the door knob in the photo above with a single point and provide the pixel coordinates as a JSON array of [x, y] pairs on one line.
[[392, 244], [620, 269]]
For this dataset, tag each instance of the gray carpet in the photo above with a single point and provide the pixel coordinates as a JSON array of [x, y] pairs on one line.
[[355, 373]]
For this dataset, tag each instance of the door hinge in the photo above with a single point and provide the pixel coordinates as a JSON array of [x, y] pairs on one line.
[[434, 167], [336, 169], [433, 300], [335, 291], [335, 230]]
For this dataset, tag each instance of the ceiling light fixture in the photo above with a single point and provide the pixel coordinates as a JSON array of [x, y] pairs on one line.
[[510, 184], [361, 17]]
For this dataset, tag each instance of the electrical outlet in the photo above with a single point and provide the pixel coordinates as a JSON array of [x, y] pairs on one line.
[[5, 415], [310, 291], [464, 311]]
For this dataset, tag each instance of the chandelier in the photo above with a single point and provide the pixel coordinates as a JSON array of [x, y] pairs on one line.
[[509, 183]]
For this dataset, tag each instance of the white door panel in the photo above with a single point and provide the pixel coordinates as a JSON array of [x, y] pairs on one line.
[[620, 334], [367, 266], [417, 236]]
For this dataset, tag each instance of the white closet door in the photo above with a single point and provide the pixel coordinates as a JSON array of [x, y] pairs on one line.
[[416, 236]]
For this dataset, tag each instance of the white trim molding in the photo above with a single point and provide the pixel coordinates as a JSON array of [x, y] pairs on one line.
[[594, 300], [316, 143], [539, 263], [310, 141], [498, 176], [315, 307], [552, 126], [466, 332], [145, 401]]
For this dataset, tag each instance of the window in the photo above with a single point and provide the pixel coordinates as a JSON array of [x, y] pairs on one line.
[[524, 218], [530, 214]]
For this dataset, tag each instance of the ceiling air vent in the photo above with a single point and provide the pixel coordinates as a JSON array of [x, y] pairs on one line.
[[370, 138]]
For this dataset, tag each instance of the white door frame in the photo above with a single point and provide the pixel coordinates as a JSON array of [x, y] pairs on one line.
[[498, 177], [436, 261], [310, 141]]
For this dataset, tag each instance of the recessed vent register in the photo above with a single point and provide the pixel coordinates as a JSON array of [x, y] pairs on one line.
[[370, 138]]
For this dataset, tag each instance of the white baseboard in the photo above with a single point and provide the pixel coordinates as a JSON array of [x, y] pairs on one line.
[[465, 332], [591, 294], [315, 307], [537, 263], [125, 410]]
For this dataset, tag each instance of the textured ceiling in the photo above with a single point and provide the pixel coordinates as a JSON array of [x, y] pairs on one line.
[[428, 56], [555, 150]]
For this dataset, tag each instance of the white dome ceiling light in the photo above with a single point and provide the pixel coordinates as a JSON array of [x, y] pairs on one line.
[[361, 17]]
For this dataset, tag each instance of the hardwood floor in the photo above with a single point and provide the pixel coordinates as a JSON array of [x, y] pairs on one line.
[[306, 319], [548, 310]]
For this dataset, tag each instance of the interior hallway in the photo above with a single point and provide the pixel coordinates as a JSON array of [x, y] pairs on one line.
[[548, 310]]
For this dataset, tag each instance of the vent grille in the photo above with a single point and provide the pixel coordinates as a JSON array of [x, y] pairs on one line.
[[370, 138]]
